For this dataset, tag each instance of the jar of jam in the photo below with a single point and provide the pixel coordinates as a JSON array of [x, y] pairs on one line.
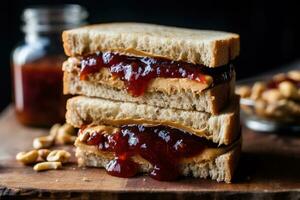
[[37, 61]]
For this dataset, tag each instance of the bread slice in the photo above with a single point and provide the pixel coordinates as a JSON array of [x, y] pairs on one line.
[[222, 128], [218, 164], [187, 95], [210, 48]]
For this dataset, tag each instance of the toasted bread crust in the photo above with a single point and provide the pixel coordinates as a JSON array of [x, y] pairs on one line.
[[210, 48]]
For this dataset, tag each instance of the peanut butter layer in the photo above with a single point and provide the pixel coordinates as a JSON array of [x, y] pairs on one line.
[[119, 122], [166, 85]]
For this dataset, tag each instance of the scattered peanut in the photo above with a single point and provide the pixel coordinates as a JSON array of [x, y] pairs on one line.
[[54, 159], [288, 89], [65, 134], [27, 157], [295, 75], [271, 96], [260, 106], [64, 138], [54, 130], [257, 90], [43, 153], [47, 166], [279, 77], [59, 155], [67, 128], [272, 110], [43, 142], [244, 91]]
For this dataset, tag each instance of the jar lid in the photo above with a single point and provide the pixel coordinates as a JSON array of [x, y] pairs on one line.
[[53, 18]]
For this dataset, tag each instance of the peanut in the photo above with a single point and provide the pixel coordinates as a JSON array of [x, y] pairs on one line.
[[257, 90], [27, 157], [288, 89], [43, 153], [279, 77], [47, 166], [59, 155], [54, 130], [260, 106], [295, 75], [65, 134], [272, 110], [244, 91], [271, 96], [67, 128], [43, 142], [64, 138]]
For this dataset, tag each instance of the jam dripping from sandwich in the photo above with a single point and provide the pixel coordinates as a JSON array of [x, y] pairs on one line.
[[161, 146], [137, 72]]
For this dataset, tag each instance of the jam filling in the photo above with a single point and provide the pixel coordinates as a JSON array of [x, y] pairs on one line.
[[137, 72], [162, 146]]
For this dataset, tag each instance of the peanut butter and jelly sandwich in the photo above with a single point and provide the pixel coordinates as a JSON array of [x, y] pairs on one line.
[[153, 99]]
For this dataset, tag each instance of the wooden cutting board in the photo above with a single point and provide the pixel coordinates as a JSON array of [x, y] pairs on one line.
[[269, 168]]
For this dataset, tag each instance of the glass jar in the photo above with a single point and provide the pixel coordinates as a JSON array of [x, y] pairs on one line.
[[37, 61]]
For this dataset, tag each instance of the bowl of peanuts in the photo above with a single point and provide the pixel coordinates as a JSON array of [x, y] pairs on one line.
[[272, 105]]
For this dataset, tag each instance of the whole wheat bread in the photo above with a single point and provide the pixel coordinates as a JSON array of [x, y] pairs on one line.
[[222, 128], [210, 48]]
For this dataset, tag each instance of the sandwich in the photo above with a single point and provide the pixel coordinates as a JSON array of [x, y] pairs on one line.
[[153, 99]]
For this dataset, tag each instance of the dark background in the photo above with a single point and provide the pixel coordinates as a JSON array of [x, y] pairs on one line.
[[269, 30]]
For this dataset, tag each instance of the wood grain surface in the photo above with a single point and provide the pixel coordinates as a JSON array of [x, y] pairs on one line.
[[269, 169]]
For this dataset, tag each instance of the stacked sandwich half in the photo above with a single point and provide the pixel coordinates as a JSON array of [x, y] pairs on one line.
[[153, 99]]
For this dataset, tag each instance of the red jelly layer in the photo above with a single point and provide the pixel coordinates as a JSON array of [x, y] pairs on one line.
[[162, 146], [137, 72]]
